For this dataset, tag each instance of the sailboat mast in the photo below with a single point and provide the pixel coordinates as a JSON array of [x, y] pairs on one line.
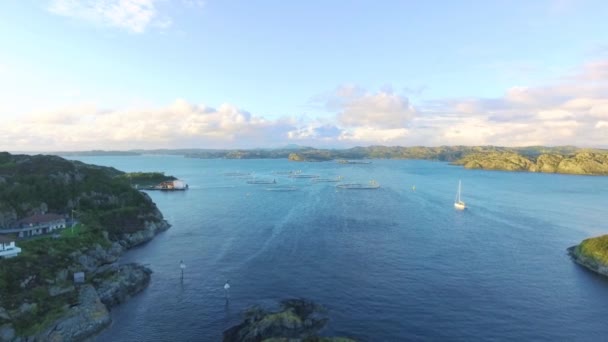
[[459, 186]]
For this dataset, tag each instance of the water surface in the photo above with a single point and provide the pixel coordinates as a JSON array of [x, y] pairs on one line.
[[391, 264]]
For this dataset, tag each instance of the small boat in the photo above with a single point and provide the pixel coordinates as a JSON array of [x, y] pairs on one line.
[[282, 188], [458, 203], [359, 186], [262, 181]]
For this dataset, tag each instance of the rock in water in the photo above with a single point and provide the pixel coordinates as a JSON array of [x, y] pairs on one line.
[[297, 320]]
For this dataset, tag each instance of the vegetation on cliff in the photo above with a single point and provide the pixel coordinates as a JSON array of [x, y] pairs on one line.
[[36, 287], [580, 163], [143, 179]]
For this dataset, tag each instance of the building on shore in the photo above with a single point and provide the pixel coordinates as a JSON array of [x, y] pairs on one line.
[[8, 249], [37, 224], [169, 185]]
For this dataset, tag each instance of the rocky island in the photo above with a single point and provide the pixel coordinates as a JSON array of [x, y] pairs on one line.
[[40, 297], [297, 320], [592, 253]]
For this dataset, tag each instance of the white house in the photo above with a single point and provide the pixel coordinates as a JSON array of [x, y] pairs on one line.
[[7, 247], [36, 225]]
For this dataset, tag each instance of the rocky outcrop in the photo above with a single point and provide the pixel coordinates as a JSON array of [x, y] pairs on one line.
[[96, 257], [547, 163], [81, 321], [294, 157], [496, 161], [7, 333], [118, 286], [297, 320], [587, 261], [585, 163], [151, 229]]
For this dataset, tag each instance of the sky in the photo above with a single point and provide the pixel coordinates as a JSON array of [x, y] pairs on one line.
[[148, 74]]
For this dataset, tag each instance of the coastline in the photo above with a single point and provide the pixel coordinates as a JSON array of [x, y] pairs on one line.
[[108, 284]]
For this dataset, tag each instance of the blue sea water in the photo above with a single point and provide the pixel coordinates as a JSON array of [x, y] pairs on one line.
[[391, 264]]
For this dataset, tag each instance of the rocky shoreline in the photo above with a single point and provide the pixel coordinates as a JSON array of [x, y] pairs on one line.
[[109, 283], [587, 262]]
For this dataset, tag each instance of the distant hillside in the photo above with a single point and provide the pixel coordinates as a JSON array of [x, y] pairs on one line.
[[95, 153], [580, 163], [445, 153]]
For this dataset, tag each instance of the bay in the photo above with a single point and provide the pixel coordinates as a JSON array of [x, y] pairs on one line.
[[392, 264]]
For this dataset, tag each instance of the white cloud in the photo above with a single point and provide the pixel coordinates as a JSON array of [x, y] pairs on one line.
[[370, 135], [380, 110], [573, 111], [131, 15], [179, 125], [601, 124]]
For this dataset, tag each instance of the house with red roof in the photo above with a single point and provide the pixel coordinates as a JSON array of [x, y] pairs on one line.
[[37, 224]]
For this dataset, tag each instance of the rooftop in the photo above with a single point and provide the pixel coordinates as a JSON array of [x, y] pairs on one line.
[[6, 238], [40, 218]]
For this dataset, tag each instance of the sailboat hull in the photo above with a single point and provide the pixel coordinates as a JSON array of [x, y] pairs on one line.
[[460, 205]]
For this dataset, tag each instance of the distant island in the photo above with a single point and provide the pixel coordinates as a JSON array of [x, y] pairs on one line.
[[62, 282], [592, 253], [559, 159]]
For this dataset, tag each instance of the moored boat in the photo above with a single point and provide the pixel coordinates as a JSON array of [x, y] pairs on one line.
[[458, 203]]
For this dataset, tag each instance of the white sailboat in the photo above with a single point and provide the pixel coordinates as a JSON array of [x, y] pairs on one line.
[[458, 203]]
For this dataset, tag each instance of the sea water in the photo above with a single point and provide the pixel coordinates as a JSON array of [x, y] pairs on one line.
[[392, 264]]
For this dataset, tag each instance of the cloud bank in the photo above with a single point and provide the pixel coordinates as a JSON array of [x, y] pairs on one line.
[[573, 111]]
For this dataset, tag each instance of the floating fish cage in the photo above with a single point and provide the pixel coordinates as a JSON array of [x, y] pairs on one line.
[[303, 176], [261, 181], [359, 186], [236, 174], [326, 180], [282, 188]]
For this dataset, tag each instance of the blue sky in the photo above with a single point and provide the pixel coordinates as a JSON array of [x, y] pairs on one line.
[[321, 73]]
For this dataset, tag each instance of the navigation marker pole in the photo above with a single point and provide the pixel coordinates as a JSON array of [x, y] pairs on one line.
[[227, 289], [182, 266]]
